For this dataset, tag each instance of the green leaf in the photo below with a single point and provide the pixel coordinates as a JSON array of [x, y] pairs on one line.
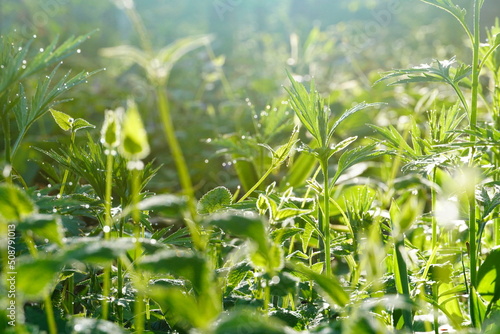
[[78, 325], [250, 322], [246, 225], [184, 264], [134, 143], [188, 310], [237, 274], [285, 233], [270, 259], [488, 277], [35, 277], [330, 286], [64, 121], [96, 250], [355, 156], [15, 205], [214, 200], [80, 123], [45, 226]]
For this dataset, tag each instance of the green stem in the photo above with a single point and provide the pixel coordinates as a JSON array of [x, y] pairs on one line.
[[70, 300], [256, 185], [66, 171], [433, 209], [139, 300], [107, 234], [471, 193], [119, 273], [50, 314], [175, 149], [404, 281], [6, 131], [326, 217], [435, 313]]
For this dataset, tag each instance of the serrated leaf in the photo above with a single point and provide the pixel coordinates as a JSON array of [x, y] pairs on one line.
[[183, 264], [97, 251], [214, 200], [330, 286], [35, 277], [237, 274], [488, 277], [44, 226], [64, 121], [246, 225], [270, 260], [355, 156], [80, 123], [190, 310], [15, 205], [287, 213]]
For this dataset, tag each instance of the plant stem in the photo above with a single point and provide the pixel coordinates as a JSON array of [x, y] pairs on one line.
[[433, 209], [175, 149], [139, 299], [326, 216], [256, 185], [471, 193], [107, 234], [66, 171], [403, 279], [50, 314]]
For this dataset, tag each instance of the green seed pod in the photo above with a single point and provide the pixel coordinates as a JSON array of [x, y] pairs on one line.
[[111, 128], [134, 141]]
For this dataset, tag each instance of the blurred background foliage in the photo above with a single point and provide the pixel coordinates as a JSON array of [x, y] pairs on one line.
[[221, 89]]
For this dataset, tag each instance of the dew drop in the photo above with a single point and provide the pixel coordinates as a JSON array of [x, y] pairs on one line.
[[206, 161], [34, 36], [70, 183], [106, 229], [58, 196], [49, 185], [41, 50], [78, 51], [54, 210], [24, 61], [209, 140]]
